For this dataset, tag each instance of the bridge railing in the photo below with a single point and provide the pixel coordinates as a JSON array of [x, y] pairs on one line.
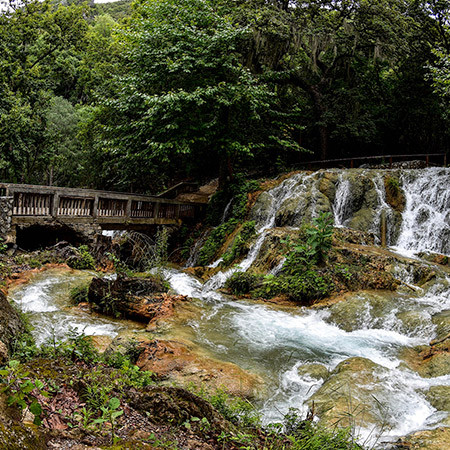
[[49, 201]]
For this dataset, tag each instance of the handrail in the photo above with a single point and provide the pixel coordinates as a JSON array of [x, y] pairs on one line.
[[52, 201], [388, 157]]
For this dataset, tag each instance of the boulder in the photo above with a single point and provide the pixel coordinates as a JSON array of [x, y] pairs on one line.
[[314, 370], [439, 397], [175, 405], [11, 325], [348, 396], [442, 322], [327, 185], [135, 298], [178, 362]]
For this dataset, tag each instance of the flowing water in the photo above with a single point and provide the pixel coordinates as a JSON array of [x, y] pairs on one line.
[[45, 299], [274, 341]]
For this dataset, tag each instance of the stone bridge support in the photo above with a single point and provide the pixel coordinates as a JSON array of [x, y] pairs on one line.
[[7, 230]]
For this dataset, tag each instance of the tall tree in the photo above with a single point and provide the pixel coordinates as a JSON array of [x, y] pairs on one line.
[[185, 93]]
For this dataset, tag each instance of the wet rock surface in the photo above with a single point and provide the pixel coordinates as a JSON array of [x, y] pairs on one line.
[[11, 325], [349, 396], [177, 361], [139, 299]]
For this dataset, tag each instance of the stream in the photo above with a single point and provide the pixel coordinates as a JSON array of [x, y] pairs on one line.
[[275, 342]]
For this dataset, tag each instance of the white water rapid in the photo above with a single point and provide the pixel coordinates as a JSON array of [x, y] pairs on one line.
[[45, 299]]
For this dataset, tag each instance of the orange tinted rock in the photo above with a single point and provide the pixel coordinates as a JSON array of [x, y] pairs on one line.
[[176, 361]]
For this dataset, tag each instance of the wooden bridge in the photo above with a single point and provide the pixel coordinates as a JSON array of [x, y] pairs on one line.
[[34, 205]]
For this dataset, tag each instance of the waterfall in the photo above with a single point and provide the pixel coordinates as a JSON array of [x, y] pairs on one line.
[[226, 211], [193, 255], [426, 219], [341, 206]]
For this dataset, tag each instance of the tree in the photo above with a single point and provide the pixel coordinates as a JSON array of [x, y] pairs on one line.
[[186, 94], [33, 40]]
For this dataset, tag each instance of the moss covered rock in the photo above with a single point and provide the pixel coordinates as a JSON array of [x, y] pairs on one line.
[[11, 325], [314, 370], [348, 396]]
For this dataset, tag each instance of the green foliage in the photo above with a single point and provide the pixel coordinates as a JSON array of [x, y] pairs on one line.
[[215, 240], [3, 246], [305, 255], [304, 287], [85, 260], [393, 185], [304, 434], [235, 409], [79, 294], [110, 413], [243, 282], [240, 244], [21, 389]]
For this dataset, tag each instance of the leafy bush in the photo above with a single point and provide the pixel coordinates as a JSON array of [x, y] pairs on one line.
[[79, 294], [243, 282], [304, 434], [303, 288], [305, 255], [85, 260]]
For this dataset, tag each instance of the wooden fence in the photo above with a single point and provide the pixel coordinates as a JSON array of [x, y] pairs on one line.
[[101, 206]]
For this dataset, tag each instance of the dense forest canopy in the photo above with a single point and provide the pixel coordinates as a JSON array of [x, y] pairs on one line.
[[135, 96]]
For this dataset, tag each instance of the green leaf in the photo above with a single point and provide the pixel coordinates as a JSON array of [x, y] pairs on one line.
[[36, 408], [114, 403]]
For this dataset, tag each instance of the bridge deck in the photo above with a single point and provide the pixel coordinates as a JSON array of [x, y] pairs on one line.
[[34, 204]]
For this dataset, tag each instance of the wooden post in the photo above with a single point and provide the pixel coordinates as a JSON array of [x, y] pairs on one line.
[[95, 207], [128, 209], [352, 164], [390, 162], [156, 210], [445, 160], [383, 228], [55, 205], [428, 160]]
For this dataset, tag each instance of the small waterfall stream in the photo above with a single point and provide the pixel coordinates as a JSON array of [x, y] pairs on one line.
[[275, 342]]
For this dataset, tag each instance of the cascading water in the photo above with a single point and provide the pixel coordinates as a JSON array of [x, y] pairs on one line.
[[426, 219], [341, 207], [45, 299]]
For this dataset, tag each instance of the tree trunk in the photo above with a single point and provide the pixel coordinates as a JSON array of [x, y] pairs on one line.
[[320, 109], [225, 170]]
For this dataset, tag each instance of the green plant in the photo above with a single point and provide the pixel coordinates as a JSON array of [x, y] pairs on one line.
[[304, 255], [302, 287], [215, 241], [235, 409], [21, 389], [85, 260], [79, 294], [243, 282], [3, 246], [393, 185], [110, 413], [119, 266]]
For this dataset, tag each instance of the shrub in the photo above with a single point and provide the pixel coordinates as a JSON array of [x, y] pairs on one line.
[[304, 255], [84, 261], [243, 282], [215, 241], [303, 288], [79, 294]]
